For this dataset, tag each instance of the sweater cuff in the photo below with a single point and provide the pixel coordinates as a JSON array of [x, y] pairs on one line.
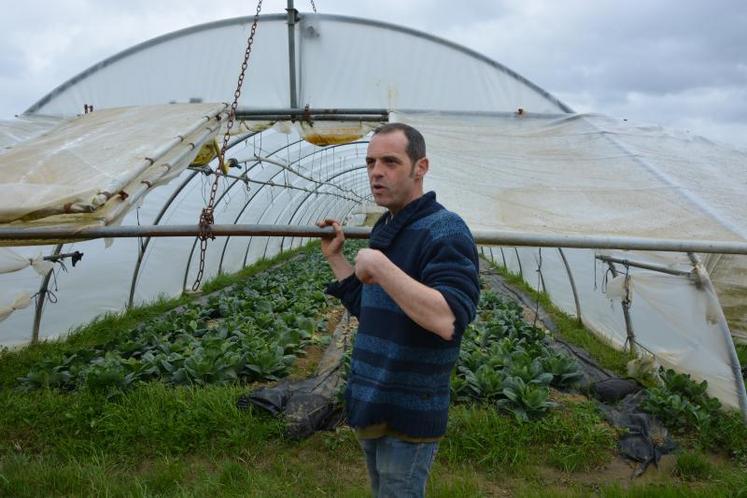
[[461, 317], [342, 288]]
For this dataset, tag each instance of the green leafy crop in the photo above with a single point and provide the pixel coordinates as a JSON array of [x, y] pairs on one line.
[[249, 332], [506, 361]]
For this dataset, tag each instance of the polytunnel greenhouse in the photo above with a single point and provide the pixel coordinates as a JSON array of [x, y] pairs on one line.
[[638, 232]]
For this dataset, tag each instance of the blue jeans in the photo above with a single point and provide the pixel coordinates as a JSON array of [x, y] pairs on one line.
[[398, 469]]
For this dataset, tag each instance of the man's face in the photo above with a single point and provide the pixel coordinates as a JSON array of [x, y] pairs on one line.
[[395, 181]]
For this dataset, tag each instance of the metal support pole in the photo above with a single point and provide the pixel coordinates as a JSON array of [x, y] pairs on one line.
[[165, 207], [40, 298], [518, 259], [573, 285], [626, 308], [487, 237], [292, 18], [736, 368], [645, 266], [245, 114]]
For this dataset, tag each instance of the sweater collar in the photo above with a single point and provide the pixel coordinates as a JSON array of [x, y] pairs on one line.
[[388, 226]]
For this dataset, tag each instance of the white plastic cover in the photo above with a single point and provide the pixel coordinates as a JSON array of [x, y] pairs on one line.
[[592, 175], [79, 166], [340, 63], [11, 261]]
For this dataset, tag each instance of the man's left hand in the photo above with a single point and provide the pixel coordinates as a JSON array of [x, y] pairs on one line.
[[367, 264]]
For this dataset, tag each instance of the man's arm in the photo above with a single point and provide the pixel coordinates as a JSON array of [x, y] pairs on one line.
[[347, 288], [424, 305], [332, 251]]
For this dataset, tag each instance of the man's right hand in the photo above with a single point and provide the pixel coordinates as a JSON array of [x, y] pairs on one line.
[[332, 246], [332, 250]]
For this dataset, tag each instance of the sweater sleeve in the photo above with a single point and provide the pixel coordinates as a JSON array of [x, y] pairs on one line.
[[451, 267], [348, 291]]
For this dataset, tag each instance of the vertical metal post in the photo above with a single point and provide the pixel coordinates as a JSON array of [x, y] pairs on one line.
[[573, 285], [292, 17], [40, 298], [626, 308], [736, 368], [518, 259]]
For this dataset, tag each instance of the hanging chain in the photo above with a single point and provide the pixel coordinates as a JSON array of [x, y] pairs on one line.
[[206, 217], [313, 6]]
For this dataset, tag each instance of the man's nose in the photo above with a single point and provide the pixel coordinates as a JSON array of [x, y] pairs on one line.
[[375, 171]]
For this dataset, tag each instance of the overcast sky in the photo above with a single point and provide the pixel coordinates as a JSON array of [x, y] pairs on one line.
[[678, 63]]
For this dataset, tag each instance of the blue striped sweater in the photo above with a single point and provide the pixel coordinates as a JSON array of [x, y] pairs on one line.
[[400, 372]]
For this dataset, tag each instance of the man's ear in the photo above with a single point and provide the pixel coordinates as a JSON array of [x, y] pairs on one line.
[[421, 167]]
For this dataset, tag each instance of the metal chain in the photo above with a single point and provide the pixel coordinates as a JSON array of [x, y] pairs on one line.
[[206, 217], [313, 6]]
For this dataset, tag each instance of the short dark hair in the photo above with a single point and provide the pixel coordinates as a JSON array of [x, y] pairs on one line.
[[415, 141]]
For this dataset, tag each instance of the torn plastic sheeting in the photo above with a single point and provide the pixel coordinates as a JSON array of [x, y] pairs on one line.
[[644, 439], [11, 261], [21, 301], [83, 162]]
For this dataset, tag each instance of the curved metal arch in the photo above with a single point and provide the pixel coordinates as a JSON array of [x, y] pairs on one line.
[[221, 197], [162, 212], [282, 17], [296, 161], [308, 219], [266, 209], [144, 45], [42, 295], [318, 207], [350, 170], [312, 216], [146, 242]]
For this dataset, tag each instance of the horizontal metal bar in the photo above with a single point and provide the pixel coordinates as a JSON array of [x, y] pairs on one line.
[[596, 242], [301, 111], [500, 238], [312, 117], [115, 232], [645, 266], [486, 237]]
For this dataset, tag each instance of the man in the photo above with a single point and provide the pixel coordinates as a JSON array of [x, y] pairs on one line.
[[414, 290]]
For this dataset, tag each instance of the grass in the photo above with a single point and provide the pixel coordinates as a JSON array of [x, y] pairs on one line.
[[570, 439], [693, 466], [151, 420], [742, 354]]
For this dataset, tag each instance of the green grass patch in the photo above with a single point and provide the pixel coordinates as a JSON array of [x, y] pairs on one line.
[[153, 419], [572, 438], [693, 466], [742, 354]]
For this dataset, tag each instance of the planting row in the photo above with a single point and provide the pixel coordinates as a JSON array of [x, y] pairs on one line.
[[507, 361], [252, 331]]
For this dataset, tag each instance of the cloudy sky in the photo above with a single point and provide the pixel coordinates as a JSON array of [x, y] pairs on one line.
[[682, 64]]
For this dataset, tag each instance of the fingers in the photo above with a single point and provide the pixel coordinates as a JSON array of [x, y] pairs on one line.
[[334, 224], [326, 223]]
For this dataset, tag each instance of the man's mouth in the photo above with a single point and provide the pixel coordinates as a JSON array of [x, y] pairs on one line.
[[377, 189]]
